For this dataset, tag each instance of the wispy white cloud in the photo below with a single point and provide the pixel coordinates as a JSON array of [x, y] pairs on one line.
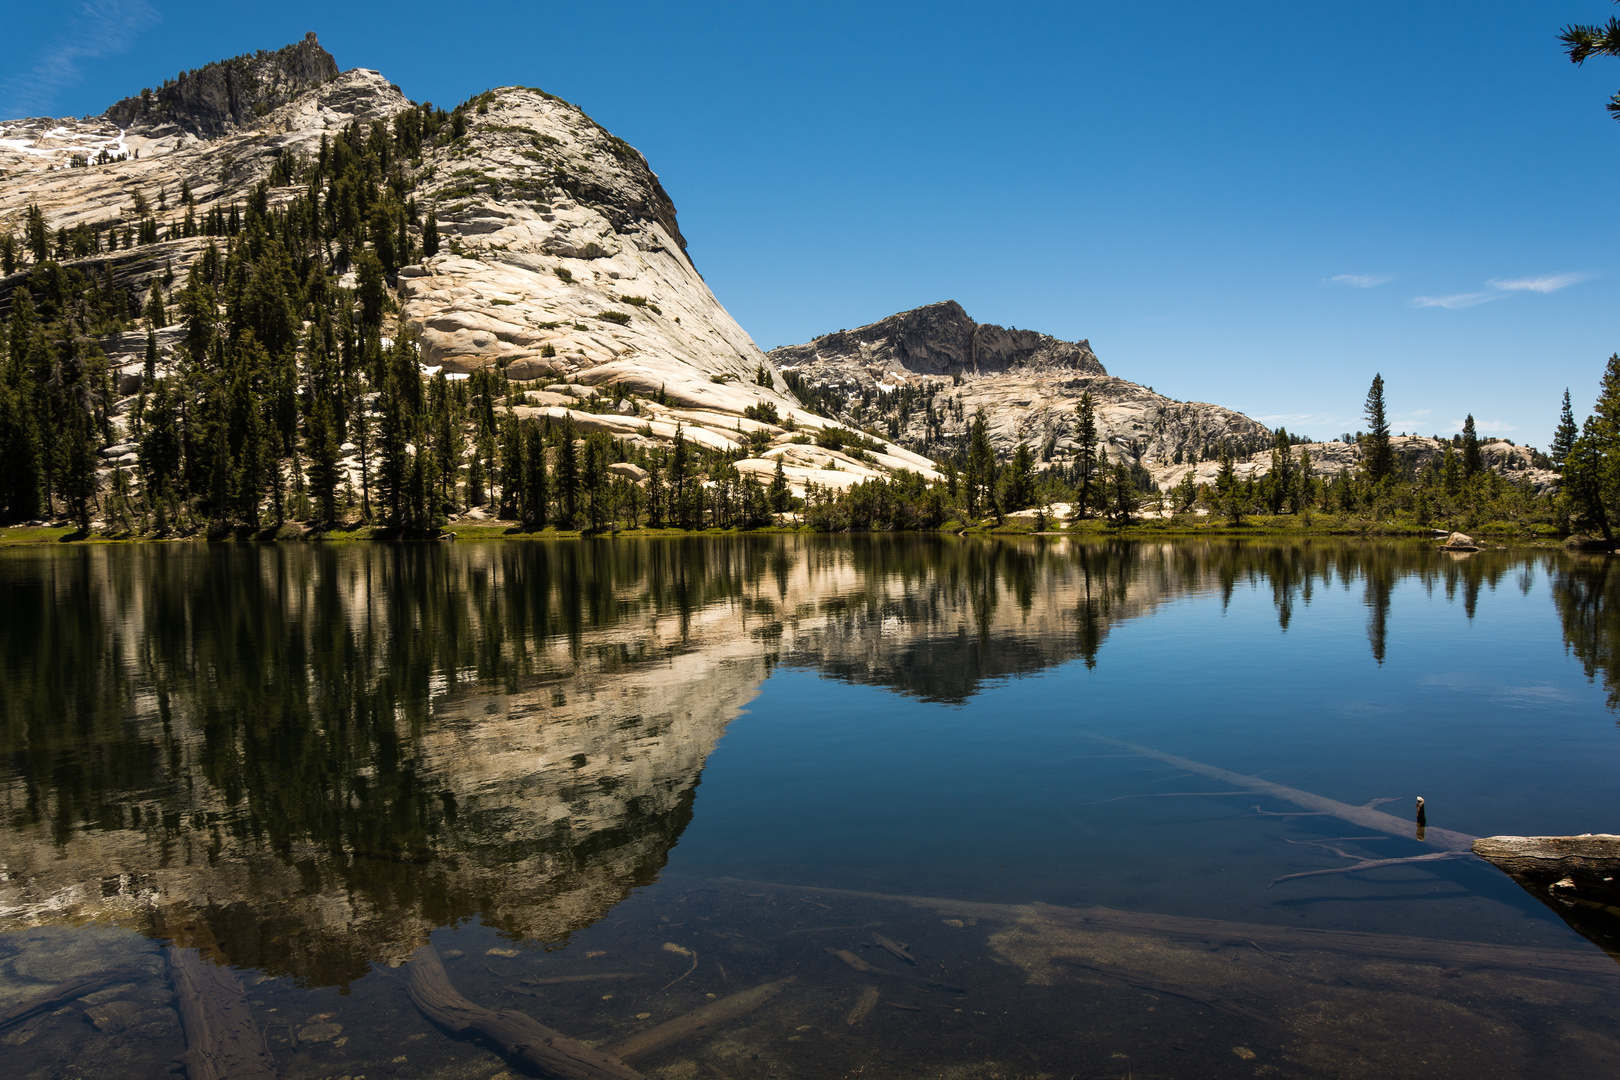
[[1499, 288], [1545, 284], [1457, 300], [1497, 426], [1362, 281], [96, 30]]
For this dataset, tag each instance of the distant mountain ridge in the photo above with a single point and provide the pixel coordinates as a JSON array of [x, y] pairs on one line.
[[920, 376]]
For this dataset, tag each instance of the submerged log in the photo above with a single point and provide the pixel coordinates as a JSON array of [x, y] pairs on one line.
[[516, 1035], [60, 994], [867, 969], [700, 1021], [1578, 877], [222, 1041], [1364, 816], [1142, 982], [893, 948], [863, 1006], [1220, 932]]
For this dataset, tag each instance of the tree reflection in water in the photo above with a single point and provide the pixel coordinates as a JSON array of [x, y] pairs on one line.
[[305, 758]]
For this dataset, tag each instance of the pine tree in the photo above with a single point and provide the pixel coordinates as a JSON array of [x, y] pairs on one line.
[[1472, 460], [1229, 492], [1085, 454], [393, 452], [1123, 494], [1451, 474], [1018, 480], [677, 480], [1564, 437], [430, 234], [1378, 456], [533, 469], [156, 317], [36, 236], [20, 477], [321, 444], [1592, 469], [780, 492], [1283, 478], [594, 479], [567, 481], [980, 470]]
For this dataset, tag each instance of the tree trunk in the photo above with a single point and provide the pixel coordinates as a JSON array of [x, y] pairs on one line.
[[518, 1036], [222, 1042]]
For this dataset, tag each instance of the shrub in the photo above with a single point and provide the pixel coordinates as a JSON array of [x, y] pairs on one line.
[[566, 274], [620, 317]]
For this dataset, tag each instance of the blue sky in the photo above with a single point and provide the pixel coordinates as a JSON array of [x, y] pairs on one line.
[[1260, 207]]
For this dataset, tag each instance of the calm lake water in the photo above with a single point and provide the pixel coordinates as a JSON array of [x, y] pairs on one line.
[[613, 782]]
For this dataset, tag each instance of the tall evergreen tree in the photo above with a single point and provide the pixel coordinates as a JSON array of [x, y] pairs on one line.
[[533, 470], [1564, 436], [1592, 470], [1378, 456], [678, 480], [594, 479], [1472, 459], [1085, 454], [567, 479], [321, 446], [430, 234], [980, 469]]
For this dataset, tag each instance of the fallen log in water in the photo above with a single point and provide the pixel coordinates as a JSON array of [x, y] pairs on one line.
[[863, 1006], [222, 1041], [1218, 932], [1142, 982], [56, 995], [867, 969], [1373, 864], [1578, 877], [893, 948], [518, 1036], [1364, 816], [1595, 856], [699, 1021]]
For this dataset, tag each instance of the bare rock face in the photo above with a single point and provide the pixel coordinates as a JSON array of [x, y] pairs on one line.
[[939, 339], [229, 94], [561, 262], [921, 376], [564, 265]]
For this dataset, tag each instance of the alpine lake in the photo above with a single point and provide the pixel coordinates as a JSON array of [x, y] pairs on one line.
[[781, 806]]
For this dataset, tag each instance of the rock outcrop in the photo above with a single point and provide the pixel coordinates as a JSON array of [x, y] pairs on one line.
[[562, 260], [227, 94], [919, 377]]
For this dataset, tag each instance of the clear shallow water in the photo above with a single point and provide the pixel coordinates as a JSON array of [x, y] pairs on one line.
[[307, 762]]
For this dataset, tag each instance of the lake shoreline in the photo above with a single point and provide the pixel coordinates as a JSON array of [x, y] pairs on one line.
[[1257, 527]]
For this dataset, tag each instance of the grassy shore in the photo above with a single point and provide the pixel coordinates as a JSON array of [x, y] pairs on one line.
[[1188, 526]]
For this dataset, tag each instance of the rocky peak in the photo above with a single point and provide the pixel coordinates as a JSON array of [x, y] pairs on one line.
[[942, 339], [229, 94]]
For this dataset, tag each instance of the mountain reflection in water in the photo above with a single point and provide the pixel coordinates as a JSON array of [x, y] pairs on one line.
[[304, 759]]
